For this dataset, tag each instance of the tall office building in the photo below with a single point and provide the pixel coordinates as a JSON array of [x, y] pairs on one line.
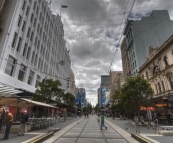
[[81, 97], [153, 31], [32, 45], [104, 87]]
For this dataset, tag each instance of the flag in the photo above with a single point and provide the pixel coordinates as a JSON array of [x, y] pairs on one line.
[[64, 6]]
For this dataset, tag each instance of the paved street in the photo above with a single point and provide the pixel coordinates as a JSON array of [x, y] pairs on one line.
[[88, 131], [80, 130]]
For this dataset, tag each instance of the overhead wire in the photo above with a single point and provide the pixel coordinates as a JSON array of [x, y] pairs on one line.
[[121, 35]]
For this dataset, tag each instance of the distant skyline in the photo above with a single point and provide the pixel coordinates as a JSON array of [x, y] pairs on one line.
[[93, 29]]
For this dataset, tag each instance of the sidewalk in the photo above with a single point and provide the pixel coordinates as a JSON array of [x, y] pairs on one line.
[[144, 131], [14, 138], [88, 131]]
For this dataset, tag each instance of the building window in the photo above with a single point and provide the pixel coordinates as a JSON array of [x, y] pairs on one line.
[[156, 70], [39, 62], [14, 40], [171, 81], [19, 44], [10, 66], [27, 11], [40, 16], [147, 75], [28, 33], [31, 77], [35, 43], [24, 4], [160, 90], [31, 36], [38, 45], [156, 89], [34, 5], [163, 86], [38, 28], [32, 16], [165, 59], [37, 10], [21, 73], [23, 27], [24, 50], [19, 21], [35, 20], [33, 57], [37, 81], [35, 60], [28, 53]]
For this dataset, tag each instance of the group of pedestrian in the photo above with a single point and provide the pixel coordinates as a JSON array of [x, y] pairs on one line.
[[6, 121]]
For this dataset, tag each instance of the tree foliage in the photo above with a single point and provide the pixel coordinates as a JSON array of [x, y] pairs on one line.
[[48, 90], [69, 99], [88, 108], [135, 92], [115, 99], [97, 108]]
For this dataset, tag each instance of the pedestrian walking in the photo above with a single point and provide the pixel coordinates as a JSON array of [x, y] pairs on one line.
[[65, 114], [23, 122], [2, 116], [102, 118], [98, 118], [169, 117], [8, 120], [87, 115]]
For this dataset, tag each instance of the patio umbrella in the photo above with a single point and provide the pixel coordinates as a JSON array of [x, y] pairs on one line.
[[143, 108], [151, 108]]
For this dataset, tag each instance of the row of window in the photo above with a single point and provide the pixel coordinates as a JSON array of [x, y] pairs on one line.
[[129, 36], [133, 65], [160, 85], [22, 72]]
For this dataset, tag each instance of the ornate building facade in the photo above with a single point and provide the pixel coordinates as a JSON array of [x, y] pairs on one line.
[[158, 69]]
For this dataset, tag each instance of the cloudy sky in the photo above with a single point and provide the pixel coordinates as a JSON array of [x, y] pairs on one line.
[[93, 31]]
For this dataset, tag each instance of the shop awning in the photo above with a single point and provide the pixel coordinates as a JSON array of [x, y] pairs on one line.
[[38, 103], [14, 102], [22, 102], [7, 91]]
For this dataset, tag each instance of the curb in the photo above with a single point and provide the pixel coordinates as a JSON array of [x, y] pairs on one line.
[[140, 139], [43, 138]]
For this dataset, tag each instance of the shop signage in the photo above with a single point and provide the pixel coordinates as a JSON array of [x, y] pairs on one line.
[[170, 96], [160, 105]]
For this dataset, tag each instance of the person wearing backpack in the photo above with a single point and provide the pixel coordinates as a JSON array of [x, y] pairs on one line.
[[102, 119]]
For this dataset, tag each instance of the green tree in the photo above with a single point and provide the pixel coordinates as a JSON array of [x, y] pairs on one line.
[[69, 100], [115, 99], [97, 108], [135, 92], [48, 90]]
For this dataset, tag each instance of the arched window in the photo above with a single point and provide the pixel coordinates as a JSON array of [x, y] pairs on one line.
[[156, 70], [147, 75], [165, 59]]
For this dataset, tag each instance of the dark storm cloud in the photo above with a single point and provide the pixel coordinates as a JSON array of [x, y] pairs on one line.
[[93, 29]]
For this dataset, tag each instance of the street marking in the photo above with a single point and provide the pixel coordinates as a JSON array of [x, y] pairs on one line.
[[143, 139], [31, 139]]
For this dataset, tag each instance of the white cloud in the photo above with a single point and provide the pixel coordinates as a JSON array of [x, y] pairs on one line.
[[92, 31]]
